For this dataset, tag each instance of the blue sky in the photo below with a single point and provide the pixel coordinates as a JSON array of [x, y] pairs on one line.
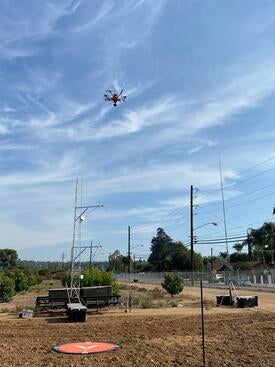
[[200, 79]]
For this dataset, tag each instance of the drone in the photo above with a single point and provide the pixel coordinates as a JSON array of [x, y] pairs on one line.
[[114, 97]]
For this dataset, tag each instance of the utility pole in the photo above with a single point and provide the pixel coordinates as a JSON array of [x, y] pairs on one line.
[[62, 261], [129, 251], [211, 259], [249, 245], [192, 234]]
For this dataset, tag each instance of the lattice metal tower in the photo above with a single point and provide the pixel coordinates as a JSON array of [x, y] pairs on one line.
[[77, 248]]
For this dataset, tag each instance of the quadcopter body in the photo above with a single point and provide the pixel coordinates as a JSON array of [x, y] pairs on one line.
[[114, 97]]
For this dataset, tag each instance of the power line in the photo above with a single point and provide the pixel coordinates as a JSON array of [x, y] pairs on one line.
[[247, 170], [248, 224], [223, 238], [241, 203], [215, 201], [250, 201]]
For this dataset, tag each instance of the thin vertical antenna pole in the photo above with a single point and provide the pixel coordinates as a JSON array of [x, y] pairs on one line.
[[202, 326], [72, 251], [80, 227], [192, 234], [129, 267], [223, 207], [91, 254]]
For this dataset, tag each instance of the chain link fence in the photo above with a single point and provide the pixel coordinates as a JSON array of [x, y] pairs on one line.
[[259, 278]]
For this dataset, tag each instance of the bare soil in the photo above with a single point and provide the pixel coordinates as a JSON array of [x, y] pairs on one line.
[[240, 338], [148, 337]]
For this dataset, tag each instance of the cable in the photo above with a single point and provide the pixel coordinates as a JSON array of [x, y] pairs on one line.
[[250, 201], [240, 204], [249, 169], [223, 238], [248, 224], [236, 197], [206, 195]]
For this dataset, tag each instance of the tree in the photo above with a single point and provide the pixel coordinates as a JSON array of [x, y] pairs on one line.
[[159, 256], [117, 262], [8, 258], [261, 242], [238, 247], [20, 280], [172, 284], [168, 255]]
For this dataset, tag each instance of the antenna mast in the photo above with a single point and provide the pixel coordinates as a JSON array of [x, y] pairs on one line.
[[77, 249], [223, 207]]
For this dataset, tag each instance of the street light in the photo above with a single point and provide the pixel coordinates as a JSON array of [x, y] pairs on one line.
[[206, 224], [137, 246]]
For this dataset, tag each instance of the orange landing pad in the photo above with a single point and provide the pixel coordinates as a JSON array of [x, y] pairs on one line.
[[85, 347]]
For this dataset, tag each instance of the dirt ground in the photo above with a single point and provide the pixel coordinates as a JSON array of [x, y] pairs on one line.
[[148, 337]]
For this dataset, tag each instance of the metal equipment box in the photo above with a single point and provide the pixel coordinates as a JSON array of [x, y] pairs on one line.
[[247, 301]]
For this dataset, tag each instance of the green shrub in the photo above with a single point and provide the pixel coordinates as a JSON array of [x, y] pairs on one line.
[[7, 288], [172, 284], [59, 275], [66, 280], [97, 277]]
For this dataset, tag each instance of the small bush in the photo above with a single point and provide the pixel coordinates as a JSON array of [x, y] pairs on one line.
[[157, 293], [59, 275], [142, 301], [4, 310], [173, 303], [7, 288], [172, 284], [160, 304]]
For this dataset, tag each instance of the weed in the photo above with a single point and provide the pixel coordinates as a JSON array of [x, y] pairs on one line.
[[160, 304], [142, 301], [4, 310], [157, 293], [173, 303]]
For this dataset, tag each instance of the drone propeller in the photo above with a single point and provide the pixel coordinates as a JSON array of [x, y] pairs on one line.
[[121, 92]]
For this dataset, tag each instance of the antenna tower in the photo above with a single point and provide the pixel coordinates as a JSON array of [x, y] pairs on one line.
[[77, 248]]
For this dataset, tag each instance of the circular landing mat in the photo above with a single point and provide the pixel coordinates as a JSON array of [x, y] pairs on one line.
[[85, 347]]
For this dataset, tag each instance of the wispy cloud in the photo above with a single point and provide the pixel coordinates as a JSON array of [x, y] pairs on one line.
[[45, 172], [158, 177], [20, 29]]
